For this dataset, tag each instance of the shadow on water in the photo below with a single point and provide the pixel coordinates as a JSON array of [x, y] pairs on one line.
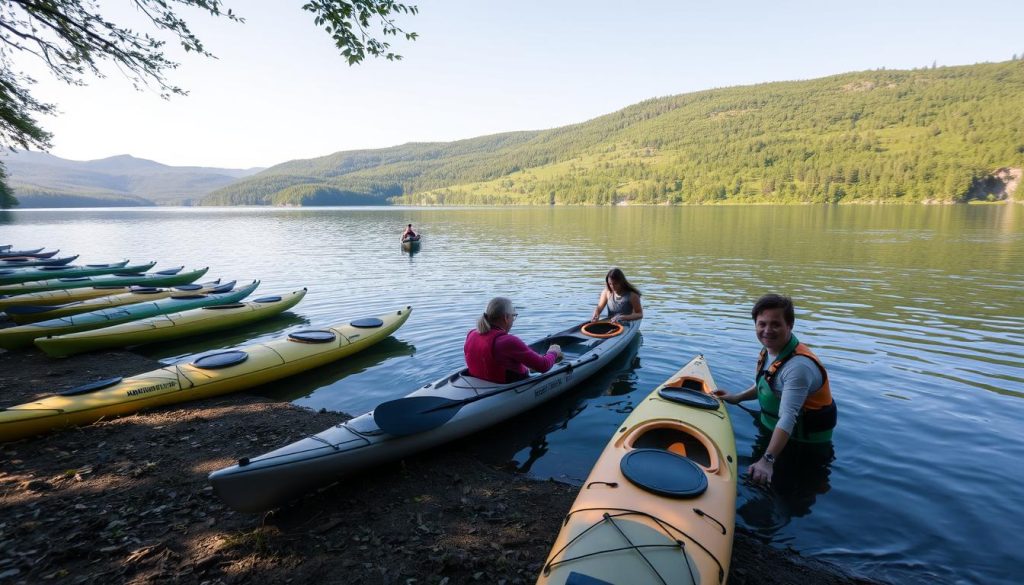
[[501, 444], [801, 474], [302, 385]]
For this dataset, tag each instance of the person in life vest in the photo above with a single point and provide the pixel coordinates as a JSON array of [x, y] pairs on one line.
[[621, 298], [409, 234], [790, 384], [494, 355]]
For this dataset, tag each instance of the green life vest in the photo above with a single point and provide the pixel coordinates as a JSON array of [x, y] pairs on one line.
[[812, 425]]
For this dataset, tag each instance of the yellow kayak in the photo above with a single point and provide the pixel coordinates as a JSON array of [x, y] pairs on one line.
[[199, 377], [172, 326], [25, 314], [659, 506]]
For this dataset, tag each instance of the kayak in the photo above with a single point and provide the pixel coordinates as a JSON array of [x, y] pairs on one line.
[[451, 407], [10, 252], [171, 326], [23, 335], [16, 275], [68, 295], [199, 376], [169, 277], [659, 506], [23, 314], [37, 253], [18, 262], [411, 243]]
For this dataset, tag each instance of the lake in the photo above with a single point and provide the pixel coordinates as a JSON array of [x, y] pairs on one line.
[[917, 312]]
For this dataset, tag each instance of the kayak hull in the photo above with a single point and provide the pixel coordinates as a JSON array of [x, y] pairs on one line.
[[169, 326], [163, 278], [264, 362], [262, 482], [36, 273], [673, 539]]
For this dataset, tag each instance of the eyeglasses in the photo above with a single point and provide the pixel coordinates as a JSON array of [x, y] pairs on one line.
[[513, 315]]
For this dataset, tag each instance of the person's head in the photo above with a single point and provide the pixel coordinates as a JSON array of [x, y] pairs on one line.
[[616, 282], [500, 313], [773, 317], [410, 226]]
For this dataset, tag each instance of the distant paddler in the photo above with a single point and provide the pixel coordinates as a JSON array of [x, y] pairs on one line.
[[790, 384]]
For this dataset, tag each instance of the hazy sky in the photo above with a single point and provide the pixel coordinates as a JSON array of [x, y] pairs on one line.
[[279, 90]]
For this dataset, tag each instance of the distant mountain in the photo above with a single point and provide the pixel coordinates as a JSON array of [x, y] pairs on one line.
[[43, 180], [944, 134]]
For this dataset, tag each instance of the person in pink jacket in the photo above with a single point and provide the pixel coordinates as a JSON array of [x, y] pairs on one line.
[[494, 355]]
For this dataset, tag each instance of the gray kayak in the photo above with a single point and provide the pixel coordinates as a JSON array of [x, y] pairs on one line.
[[451, 407]]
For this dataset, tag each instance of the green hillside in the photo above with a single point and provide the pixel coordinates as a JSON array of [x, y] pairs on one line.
[[895, 136]]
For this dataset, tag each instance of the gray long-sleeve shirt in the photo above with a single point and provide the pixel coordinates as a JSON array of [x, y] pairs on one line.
[[794, 382]]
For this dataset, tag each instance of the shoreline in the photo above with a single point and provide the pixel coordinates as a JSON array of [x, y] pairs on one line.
[[126, 500]]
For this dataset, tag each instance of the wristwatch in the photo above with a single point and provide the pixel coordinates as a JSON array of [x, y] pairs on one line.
[[769, 458]]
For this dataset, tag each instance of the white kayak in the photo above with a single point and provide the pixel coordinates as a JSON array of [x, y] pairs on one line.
[[452, 407]]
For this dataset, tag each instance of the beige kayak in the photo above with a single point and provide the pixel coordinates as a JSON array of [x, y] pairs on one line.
[[659, 506]]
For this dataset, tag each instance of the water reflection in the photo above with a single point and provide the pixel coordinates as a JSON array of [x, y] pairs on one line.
[[331, 377], [801, 474]]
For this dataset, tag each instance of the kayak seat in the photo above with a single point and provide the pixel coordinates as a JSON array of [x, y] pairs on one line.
[[91, 387], [367, 323], [224, 359], [664, 473], [312, 336], [272, 299], [575, 578], [675, 440]]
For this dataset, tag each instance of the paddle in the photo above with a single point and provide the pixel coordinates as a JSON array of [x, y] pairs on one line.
[[416, 414]]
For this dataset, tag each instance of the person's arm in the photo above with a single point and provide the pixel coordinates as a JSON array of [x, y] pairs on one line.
[[738, 397], [638, 310], [513, 348], [796, 380], [600, 305]]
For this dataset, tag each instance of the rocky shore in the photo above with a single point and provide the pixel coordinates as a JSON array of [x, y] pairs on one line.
[[126, 501]]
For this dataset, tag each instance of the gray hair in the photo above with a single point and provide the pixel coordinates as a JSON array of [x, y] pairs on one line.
[[496, 309]]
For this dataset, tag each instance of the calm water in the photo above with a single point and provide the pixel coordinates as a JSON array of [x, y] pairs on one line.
[[918, 313]]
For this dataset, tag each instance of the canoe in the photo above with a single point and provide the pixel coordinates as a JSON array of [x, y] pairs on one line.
[[199, 376], [170, 326], [23, 335], [659, 506], [68, 295], [37, 253], [24, 314], [18, 262], [35, 273], [408, 425], [410, 244], [169, 277]]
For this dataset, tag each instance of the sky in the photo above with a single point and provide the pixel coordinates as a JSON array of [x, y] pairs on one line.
[[279, 90]]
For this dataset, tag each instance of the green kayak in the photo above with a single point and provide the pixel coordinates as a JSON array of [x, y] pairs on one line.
[[23, 335], [17, 275], [170, 326], [169, 277]]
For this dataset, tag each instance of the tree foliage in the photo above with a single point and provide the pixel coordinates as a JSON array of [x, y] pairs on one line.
[[72, 38]]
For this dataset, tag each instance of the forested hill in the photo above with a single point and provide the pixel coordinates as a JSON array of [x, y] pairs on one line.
[[43, 180], [941, 134]]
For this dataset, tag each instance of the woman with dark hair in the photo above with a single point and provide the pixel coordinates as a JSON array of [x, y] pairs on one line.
[[494, 355], [621, 298]]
